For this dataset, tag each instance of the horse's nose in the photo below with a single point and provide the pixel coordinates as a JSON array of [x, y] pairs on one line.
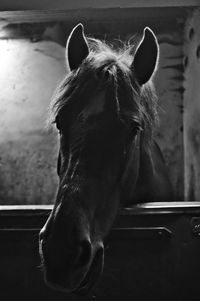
[[59, 263], [78, 255]]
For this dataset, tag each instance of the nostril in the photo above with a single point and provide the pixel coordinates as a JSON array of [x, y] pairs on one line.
[[85, 254]]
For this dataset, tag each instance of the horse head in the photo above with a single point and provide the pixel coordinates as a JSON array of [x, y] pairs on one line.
[[99, 116]]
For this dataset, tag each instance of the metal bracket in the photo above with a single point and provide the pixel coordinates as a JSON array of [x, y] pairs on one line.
[[141, 233], [195, 226]]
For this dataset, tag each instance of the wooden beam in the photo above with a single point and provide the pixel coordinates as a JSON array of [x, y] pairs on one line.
[[13, 5], [139, 209]]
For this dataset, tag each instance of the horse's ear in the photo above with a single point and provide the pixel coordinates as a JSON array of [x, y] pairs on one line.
[[146, 57], [77, 47]]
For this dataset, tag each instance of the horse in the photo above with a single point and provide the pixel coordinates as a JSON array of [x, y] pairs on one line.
[[105, 111]]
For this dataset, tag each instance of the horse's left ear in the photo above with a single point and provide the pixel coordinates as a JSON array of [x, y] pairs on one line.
[[77, 47], [146, 57]]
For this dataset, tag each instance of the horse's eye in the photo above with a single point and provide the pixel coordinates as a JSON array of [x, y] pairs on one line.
[[57, 123], [135, 127]]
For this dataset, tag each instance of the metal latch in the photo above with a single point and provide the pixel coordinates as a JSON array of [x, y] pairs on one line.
[[141, 233], [195, 225]]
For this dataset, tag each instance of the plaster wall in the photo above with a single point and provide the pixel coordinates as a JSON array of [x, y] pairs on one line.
[[29, 74], [192, 108]]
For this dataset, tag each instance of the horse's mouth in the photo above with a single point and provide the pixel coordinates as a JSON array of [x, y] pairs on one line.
[[88, 281], [92, 275]]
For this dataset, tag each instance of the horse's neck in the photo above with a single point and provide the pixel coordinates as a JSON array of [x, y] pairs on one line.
[[152, 182]]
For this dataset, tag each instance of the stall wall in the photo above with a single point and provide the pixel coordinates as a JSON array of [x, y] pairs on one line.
[[169, 87], [192, 107], [29, 73]]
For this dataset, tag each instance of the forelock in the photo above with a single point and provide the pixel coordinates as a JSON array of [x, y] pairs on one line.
[[108, 69]]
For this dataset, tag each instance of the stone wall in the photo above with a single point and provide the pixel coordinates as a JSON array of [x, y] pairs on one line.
[[192, 107], [29, 73], [168, 83]]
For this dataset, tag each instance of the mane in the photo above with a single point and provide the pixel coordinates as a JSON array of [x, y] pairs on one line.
[[109, 69]]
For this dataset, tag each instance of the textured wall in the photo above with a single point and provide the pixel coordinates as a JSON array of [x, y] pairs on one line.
[[168, 82], [28, 75], [192, 107]]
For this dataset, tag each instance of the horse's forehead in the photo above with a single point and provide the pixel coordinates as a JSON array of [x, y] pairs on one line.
[[95, 105]]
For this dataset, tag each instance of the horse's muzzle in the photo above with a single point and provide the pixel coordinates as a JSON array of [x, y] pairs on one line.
[[78, 276]]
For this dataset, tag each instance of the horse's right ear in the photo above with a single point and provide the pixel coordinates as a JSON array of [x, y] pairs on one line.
[[146, 57], [77, 48]]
